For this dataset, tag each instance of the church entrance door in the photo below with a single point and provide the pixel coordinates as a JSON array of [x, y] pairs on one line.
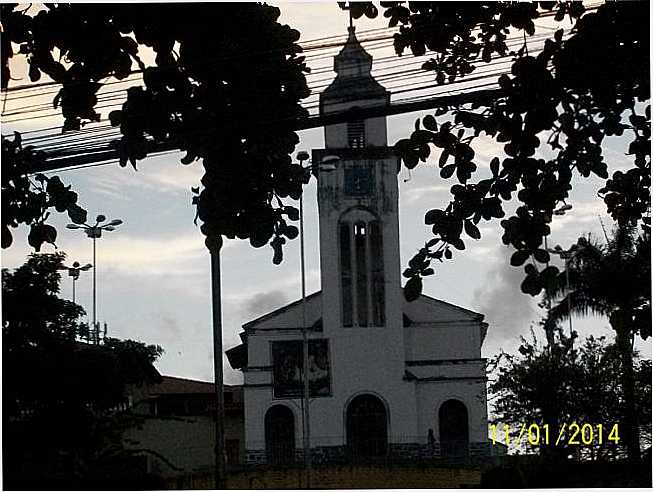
[[367, 427], [280, 435], [454, 429]]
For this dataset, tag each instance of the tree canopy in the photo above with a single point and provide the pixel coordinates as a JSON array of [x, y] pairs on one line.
[[60, 395], [614, 280], [224, 86], [583, 385], [566, 100], [226, 89]]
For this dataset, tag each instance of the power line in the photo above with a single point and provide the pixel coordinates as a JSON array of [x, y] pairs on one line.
[[95, 142], [487, 96], [334, 41], [409, 73]]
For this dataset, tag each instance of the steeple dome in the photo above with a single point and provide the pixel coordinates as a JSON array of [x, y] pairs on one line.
[[353, 60], [354, 80]]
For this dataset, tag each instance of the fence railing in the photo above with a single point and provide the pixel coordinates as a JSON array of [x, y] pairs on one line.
[[373, 450]]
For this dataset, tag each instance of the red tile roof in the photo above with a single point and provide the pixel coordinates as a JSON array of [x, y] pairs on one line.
[[176, 386]]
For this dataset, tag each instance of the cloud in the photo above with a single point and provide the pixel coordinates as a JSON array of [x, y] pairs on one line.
[[170, 326], [582, 214], [160, 174], [412, 195], [507, 310], [263, 302], [162, 255]]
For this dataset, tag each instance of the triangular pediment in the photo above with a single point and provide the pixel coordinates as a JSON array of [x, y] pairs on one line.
[[427, 309], [289, 317]]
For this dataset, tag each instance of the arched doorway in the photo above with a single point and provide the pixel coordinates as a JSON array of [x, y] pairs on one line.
[[367, 427], [454, 429], [280, 435]]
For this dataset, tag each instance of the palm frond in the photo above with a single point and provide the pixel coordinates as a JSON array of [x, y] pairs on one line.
[[579, 303]]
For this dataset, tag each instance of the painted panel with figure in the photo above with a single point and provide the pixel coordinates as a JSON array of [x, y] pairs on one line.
[[287, 372]]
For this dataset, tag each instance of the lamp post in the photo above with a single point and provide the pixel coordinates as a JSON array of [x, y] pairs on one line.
[[95, 232], [326, 165], [73, 271], [215, 246]]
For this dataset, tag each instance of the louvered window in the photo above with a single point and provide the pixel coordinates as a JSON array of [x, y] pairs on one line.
[[356, 134]]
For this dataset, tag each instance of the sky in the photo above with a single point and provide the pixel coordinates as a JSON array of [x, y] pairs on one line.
[[153, 271]]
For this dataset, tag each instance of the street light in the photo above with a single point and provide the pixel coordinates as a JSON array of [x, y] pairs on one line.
[[95, 232], [73, 271], [327, 164]]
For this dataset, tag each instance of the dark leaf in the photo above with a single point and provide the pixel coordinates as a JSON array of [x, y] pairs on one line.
[[519, 257], [430, 123], [77, 214], [291, 232], [541, 255], [471, 230], [413, 288], [447, 171], [115, 117]]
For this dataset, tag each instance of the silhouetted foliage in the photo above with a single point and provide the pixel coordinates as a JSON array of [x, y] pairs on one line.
[[567, 99], [564, 383], [60, 396], [28, 200], [614, 280], [225, 87]]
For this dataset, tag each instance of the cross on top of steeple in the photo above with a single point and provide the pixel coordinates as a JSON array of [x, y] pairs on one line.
[[347, 6]]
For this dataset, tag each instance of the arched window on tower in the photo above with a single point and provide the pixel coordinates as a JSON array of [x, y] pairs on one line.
[[361, 269]]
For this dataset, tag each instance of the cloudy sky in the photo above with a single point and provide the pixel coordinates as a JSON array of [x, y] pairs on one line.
[[153, 271]]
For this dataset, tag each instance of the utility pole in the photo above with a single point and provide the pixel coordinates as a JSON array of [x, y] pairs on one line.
[[216, 301], [307, 397]]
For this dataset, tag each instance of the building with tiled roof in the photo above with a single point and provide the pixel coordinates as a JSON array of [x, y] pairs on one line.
[[175, 433]]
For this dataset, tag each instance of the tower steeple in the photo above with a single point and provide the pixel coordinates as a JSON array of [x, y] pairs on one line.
[[354, 86], [353, 60], [358, 203]]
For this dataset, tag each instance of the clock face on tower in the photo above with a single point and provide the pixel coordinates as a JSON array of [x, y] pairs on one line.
[[359, 181]]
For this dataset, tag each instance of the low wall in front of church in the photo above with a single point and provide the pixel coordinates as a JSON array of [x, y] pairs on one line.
[[367, 476], [397, 453]]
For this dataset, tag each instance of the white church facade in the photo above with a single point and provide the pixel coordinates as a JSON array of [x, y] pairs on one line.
[[387, 377]]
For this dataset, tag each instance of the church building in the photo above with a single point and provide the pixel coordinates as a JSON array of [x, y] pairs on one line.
[[388, 378]]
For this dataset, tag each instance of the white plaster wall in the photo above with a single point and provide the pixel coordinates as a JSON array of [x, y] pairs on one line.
[[363, 360], [444, 341], [431, 395], [450, 370]]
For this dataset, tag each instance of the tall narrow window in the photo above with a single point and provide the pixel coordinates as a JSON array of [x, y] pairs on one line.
[[356, 134], [361, 269], [360, 243], [345, 271], [378, 286]]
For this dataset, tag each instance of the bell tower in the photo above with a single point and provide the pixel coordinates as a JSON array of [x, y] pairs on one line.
[[358, 202]]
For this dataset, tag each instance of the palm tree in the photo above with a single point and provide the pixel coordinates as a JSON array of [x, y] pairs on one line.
[[612, 279]]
